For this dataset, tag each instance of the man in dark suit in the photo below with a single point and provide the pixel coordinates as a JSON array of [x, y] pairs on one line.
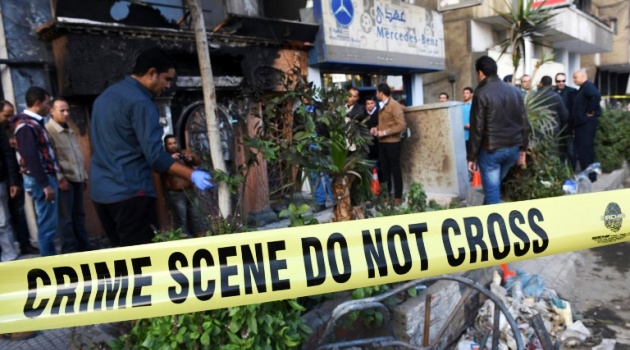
[[372, 122], [353, 109], [586, 111], [553, 102], [566, 135]]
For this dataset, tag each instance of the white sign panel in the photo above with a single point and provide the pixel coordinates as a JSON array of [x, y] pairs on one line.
[[444, 5], [382, 32]]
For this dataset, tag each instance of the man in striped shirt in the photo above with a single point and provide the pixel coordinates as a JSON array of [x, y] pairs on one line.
[[38, 164]]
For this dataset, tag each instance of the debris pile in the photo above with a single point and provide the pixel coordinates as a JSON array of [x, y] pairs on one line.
[[541, 315]]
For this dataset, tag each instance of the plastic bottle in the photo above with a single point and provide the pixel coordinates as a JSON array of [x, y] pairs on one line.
[[517, 293]]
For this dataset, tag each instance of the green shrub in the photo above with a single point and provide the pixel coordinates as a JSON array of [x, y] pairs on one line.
[[542, 178], [274, 325], [545, 173], [612, 141]]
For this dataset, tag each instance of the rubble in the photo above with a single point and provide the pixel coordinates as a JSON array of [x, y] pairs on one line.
[[528, 299]]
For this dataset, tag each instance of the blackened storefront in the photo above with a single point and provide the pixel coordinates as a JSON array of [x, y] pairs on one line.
[[90, 44]]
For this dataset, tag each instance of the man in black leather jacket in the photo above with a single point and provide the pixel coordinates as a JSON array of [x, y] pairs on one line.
[[498, 129]]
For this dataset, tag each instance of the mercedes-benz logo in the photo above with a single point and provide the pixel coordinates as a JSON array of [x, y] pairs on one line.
[[343, 11]]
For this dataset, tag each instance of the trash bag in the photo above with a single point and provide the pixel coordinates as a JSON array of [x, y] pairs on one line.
[[533, 285]]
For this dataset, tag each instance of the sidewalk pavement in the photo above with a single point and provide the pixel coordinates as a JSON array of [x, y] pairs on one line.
[[88, 337]]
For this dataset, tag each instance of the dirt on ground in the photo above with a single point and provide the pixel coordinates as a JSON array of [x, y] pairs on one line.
[[602, 295]]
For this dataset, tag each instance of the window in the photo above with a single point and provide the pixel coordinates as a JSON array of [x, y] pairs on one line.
[[171, 10], [613, 25]]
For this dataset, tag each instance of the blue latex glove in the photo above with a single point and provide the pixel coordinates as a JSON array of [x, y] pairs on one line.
[[201, 179]]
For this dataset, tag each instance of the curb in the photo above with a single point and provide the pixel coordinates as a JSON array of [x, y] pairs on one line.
[[612, 181]]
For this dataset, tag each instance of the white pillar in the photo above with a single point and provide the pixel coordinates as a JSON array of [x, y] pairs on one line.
[[417, 93], [315, 76], [574, 64], [528, 56], [562, 57]]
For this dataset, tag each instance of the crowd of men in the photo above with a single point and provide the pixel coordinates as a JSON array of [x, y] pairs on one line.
[[384, 117], [40, 155], [496, 126]]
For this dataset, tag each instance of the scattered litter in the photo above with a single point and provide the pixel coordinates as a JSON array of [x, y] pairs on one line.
[[563, 308], [576, 331], [467, 345], [526, 297], [607, 344], [570, 187]]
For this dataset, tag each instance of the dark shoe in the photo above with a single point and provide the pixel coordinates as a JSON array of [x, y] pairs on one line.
[[20, 335], [28, 250], [320, 207]]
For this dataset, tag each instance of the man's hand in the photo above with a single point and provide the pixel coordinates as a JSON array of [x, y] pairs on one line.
[[472, 166], [467, 126], [374, 131], [590, 114], [49, 194], [85, 185], [175, 155], [14, 191], [201, 179], [64, 185]]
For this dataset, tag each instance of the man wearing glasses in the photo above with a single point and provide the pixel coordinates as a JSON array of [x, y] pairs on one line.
[[566, 135]]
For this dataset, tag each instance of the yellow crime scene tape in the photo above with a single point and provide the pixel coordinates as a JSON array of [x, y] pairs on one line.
[[255, 267]]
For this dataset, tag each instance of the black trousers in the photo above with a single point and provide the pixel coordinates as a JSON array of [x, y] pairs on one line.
[[389, 161], [18, 220], [584, 145], [129, 222]]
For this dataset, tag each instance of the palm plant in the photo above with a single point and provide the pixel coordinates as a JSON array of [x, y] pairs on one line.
[[545, 176], [523, 21], [322, 139]]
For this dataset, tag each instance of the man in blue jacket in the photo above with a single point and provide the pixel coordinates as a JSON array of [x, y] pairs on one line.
[[127, 145], [586, 110]]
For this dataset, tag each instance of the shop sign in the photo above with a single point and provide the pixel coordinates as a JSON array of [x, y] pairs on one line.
[[379, 32], [551, 3]]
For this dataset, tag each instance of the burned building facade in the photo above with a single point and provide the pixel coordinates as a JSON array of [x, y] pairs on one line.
[[76, 49]]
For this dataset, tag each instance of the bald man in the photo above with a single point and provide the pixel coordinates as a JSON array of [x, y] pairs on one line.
[[585, 112]]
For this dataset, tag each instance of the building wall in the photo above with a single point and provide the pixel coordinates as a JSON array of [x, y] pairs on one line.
[[610, 70], [608, 10], [465, 40], [457, 74], [19, 19]]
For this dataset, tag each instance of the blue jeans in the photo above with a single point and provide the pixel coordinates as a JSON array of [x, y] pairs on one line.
[[186, 211], [71, 219], [493, 166], [320, 183], [46, 214]]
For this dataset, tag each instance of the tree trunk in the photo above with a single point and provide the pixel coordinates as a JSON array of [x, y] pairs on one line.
[[209, 96]]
